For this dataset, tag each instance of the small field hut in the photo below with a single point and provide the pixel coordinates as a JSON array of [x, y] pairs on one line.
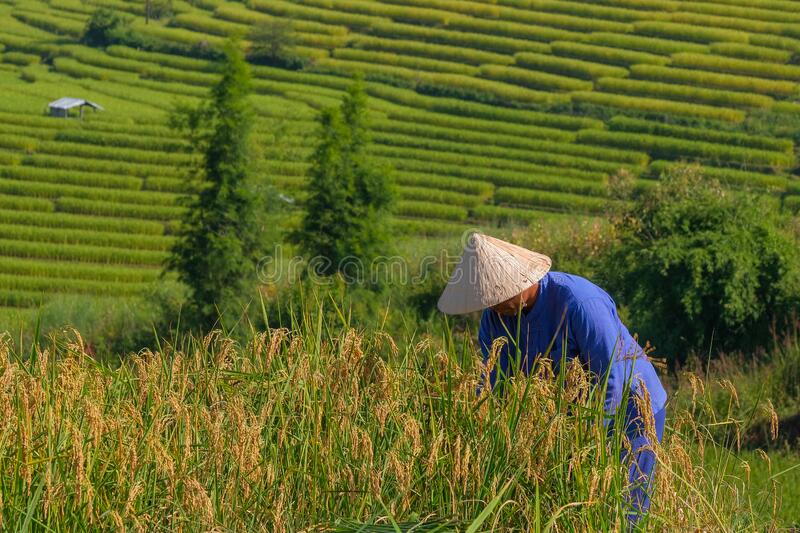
[[62, 106]]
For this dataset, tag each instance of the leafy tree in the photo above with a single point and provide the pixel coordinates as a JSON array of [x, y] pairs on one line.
[[272, 43], [702, 267], [157, 9], [105, 27], [219, 243], [350, 197]]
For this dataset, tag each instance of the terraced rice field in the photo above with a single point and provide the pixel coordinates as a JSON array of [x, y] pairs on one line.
[[493, 112]]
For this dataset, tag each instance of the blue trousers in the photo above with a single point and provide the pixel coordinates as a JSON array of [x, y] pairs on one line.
[[643, 464]]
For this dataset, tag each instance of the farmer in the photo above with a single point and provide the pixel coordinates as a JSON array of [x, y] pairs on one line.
[[510, 283]]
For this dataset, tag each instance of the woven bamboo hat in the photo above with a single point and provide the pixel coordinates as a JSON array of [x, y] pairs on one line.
[[490, 272]]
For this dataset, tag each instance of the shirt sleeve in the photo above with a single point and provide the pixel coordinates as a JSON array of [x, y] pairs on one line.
[[601, 343], [486, 336]]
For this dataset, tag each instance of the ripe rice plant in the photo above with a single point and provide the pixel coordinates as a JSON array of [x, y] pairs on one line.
[[623, 123], [605, 54], [476, 173], [289, 419], [421, 129], [655, 105], [50, 22], [83, 206], [555, 200], [745, 24], [533, 79], [20, 58], [568, 67], [737, 66], [480, 41], [447, 183], [688, 32], [123, 140], [672, 148], [167, 60], [22, 298], [70, 177], [242, 14], [433, 51], [106, 166], [550, 182], [44, 217], [714, 80], [423, 209], [546, 150], [752, 52], [776, 41], [80, 252], [763, 10], [386, 58], [77, 271], [501, 214], [732, 176], [90, 237], [517, 30], [427, 228], [311, 13], [652, 45], [439, 196], [407, 119], [24, 203], [73, 286], [149, 157], [57, 190], [686, 93]]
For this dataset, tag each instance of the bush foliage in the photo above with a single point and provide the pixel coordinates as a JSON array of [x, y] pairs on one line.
[[701, 268]]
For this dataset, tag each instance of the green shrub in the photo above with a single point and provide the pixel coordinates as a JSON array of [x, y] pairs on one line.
[[687, 93], [715, 80], [568, 67], [106, 27], [702, 270], [605, 54]]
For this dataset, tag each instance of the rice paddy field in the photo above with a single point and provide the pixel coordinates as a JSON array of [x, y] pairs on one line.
[[326, 428], [490, 112]]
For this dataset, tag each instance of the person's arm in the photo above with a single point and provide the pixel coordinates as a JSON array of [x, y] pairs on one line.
[[597, 331], [486, 338]]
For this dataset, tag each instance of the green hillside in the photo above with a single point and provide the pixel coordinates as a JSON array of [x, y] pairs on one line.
[[490, 113]]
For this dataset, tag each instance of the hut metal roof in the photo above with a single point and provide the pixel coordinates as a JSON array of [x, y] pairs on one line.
[[69, 103]]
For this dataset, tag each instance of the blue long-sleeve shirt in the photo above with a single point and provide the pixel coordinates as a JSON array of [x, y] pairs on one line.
[[580, 319]]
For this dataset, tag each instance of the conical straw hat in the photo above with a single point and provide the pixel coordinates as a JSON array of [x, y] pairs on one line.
[[490, 272]]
